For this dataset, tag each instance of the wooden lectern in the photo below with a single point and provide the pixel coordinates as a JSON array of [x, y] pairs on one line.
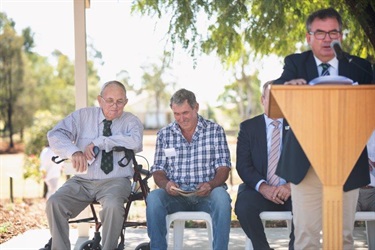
[[332, 124]]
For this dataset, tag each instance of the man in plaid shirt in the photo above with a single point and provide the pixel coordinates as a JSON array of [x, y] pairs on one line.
[[191, 155]]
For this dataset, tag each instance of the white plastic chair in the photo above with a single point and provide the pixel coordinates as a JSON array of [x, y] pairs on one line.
[[369, 218], [179, 219]]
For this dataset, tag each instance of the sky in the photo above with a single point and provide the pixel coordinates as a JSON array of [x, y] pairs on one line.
[[126, 41]]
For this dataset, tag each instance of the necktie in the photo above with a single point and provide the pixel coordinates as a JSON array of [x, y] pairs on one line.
[[325, 71], [273, 156], [107, 158]]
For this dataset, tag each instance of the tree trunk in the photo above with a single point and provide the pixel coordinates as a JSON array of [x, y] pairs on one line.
[[10, 126], [365, 14]]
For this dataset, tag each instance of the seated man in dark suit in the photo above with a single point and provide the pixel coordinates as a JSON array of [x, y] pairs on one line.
[[257, 159]]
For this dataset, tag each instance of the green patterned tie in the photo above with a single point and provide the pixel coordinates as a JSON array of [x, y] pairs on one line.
[[107, 158], [325, 69]]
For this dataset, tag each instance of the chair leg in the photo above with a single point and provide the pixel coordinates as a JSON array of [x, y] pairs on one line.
[[210, 233], [370, 228], [178, 219], [178, 234]]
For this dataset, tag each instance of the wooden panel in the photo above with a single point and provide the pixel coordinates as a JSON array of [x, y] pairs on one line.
[[333, 124]]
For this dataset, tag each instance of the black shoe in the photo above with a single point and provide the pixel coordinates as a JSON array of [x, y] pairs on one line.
[[47, 246]]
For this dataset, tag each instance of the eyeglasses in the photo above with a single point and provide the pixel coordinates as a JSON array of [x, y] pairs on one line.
[[112, 102], [321, 35]]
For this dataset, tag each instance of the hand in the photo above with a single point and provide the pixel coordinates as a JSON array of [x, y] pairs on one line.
[[283, 192], [269, 192], [296, 82], [79, 161], [204, 189], [89, 152], [168, 188]]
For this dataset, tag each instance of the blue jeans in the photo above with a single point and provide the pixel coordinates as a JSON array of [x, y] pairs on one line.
[[160, 203]]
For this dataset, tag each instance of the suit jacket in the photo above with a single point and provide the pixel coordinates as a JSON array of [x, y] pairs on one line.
[[252, 157], [293, 164]]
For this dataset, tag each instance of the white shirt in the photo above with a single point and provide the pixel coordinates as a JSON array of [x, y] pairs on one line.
[[85, 126], [333, 69]]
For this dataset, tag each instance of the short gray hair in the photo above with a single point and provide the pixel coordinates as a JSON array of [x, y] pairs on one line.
[[265, 87], [114, 82], [181, 95]]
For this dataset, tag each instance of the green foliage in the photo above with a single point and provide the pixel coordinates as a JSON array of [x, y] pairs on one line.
[[28, 36], [4, 227], [27, 103], [12, 84], [29, 83], [31, 168], [154, 83], [240, 100], [240, 32], [267, 26], [43, 122], [92, 82]]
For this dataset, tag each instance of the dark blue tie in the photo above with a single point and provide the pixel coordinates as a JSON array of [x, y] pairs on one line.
[[107, 158]]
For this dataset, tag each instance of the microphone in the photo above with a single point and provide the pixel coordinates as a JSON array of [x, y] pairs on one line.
[[339, 53]]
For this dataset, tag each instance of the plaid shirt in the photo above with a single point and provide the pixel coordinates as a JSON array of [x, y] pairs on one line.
[[195, 162]]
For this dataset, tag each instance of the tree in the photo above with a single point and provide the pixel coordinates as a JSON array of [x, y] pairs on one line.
[[244, 95], [48, 87], [154, 83], [11, 73], [364, 12], [268, 26], [56, 87]]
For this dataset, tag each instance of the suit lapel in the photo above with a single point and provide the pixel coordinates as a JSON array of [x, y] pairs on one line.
[[261, 135], [311, 67]]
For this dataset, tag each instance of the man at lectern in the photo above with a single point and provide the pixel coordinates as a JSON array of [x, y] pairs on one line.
[[323, 28]]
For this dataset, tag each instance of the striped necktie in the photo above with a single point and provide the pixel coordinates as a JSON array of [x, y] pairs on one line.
[[273, 156], [325, 69]]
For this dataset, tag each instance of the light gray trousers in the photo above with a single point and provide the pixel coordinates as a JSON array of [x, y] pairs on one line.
[[307, 202], [75, 195]]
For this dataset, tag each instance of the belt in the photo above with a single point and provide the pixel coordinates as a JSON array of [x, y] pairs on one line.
[[367, 187]]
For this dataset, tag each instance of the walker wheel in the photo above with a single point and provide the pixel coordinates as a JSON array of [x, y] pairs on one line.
[[143, 246], [90, 245]]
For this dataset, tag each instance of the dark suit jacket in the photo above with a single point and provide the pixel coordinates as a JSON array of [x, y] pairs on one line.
[[252, 159], [293, 164]]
